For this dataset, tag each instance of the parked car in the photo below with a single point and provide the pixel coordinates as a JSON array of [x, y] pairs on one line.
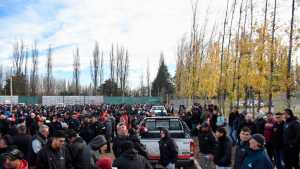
[[249, 103], [159, 111]]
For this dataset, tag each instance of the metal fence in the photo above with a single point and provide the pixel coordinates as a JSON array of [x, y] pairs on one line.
[[9, 99], [71, 100]]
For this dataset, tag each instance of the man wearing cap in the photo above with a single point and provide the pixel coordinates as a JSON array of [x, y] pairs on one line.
[[55, 155], [257, 158], [14, 160]]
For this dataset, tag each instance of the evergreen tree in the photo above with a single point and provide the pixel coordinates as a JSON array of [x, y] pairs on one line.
[[162, 84]]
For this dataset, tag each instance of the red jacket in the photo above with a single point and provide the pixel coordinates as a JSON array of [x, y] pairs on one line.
[[23, 165], [268, 130]]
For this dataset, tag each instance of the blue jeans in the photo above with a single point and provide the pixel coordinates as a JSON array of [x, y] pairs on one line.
[[233, 134], [279, 159]]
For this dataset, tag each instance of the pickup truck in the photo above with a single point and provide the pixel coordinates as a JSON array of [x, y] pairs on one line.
[[149, 132]]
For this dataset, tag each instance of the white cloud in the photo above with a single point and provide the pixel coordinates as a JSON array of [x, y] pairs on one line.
[[144, 27]]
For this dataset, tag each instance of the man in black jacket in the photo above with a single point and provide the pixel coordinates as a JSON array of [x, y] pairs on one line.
[[207, 144], [55, 155], [168, 150], [242, 147], [277, 140], [4, 124], [122, 137], [130, 159], [222, 157], [23, 141], [291, 140], [79, 151], [232, 133]]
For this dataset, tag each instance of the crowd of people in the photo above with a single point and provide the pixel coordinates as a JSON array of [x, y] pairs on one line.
[[268, 141], [59, 137], [80, 136]]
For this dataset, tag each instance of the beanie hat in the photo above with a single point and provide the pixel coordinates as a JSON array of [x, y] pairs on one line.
[[97, 142], [259, 138], [13, 154], [104, 163]]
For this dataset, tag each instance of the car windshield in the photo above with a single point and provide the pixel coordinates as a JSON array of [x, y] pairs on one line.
[[157, 108]]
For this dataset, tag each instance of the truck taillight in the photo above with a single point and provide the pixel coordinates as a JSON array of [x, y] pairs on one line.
[[143, 130], [192, 147]]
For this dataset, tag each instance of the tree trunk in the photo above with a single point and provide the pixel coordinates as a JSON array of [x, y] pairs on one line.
[[288, 91], [273, 55], [221, 85]]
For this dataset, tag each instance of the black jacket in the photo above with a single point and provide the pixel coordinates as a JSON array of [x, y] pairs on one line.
[[231, 118], [130, 159], [168, 150], [96, 129], [260, 125], [119, 140], [277, 136], [80, 154], [23, 143], [222, 156], [4, 126], [241, 151], [291, 134], [48, 158], [207, 142], [86, 132]]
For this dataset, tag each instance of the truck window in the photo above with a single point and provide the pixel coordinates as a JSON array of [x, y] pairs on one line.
[[156, 125]]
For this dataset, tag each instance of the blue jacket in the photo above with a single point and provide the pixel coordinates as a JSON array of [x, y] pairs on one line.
[[257, 159]]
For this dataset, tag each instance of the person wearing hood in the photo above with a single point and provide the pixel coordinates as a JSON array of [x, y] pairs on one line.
[[79, 151], [13, 159], [96, 145], [130, 159], [168, 150], [257, 157], [291, 140]]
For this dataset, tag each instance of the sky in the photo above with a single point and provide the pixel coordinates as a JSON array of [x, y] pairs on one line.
[[145, 27]]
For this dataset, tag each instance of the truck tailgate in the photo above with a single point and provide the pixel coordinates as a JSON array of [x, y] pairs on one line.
[[184, 148]]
